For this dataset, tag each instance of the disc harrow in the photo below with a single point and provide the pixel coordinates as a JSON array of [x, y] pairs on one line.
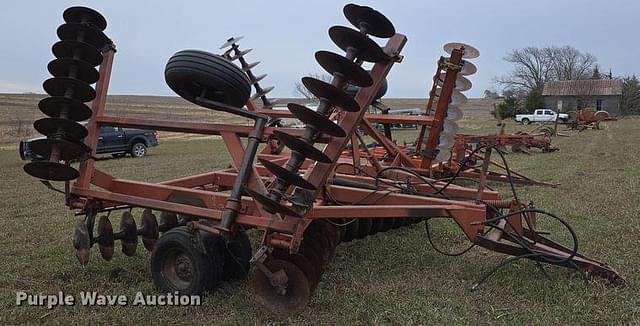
[[304, 202]]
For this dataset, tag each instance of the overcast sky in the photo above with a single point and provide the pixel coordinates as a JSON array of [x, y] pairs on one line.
[[285, 35]]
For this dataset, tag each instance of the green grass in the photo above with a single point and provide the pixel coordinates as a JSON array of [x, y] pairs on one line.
[[391, 278]]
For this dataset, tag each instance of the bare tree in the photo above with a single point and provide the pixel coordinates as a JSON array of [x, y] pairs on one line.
[[534, 66], [300, 90], [569, 63]]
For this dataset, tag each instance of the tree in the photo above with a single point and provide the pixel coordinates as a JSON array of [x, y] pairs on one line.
[[508, 108], [488, 93], [534, 100], [300, 90], [535, 66], [596, 73], [630, 95]]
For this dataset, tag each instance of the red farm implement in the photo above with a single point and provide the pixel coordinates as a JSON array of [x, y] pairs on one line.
[[303, 203]]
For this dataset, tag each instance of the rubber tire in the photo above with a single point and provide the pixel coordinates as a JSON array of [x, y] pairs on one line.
[[188, 72], [206, 272], [136, 147], [526, 121]]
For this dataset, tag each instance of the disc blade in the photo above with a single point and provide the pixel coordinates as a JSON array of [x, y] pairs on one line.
[[284, 174], [277, 303], [82, 242], [316, 120], [73, 68], [468, 68], [77, 50], [302, 147], [82, 33], [450, 127], [69, 87], [462, 83], [129, 234], [57, 106], [63, 127], [52, 171], [271, 205], [231, 41], [454, 113], [105, 238], [446, 141], [352, 73], [369, 20], [69, 150], [457, 98], [335, 96], [85, 15], [469, 51], [149, 231], [301, 262], [351, 40]]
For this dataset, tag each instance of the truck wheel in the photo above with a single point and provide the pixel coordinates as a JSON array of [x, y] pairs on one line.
[[178, 265], [526, 121], [138, 150]]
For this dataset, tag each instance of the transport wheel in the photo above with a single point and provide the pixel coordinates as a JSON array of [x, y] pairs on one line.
[[138, 150], [285, 300], [193, 73], [237, 255], [177, 264]]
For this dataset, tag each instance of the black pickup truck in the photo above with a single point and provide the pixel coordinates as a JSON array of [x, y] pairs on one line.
[[111, 140]]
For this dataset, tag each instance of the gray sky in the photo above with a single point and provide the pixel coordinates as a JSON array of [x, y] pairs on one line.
[[285, 35]]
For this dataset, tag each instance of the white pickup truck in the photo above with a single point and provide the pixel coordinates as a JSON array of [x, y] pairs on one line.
[[541, 115]]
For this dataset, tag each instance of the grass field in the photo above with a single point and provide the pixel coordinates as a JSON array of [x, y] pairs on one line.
[[390, 278]]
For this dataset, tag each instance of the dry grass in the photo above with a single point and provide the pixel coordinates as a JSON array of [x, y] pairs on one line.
[[391, 278]]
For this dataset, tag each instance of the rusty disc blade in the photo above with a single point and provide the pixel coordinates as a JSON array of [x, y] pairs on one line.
[[369, 20], [298, 145], [469, 51], [454, 113], [286, 175], [270, 205], [68, 150], [52, 171], [69, 87], [352, 73], [57, 126], [468, 68], [149, 231], [77, 50], [364, 48], [86, 16], [82, 242], [291, 298], [82, 33], [364, 228], [318, 121], [302, 262], [58, 105], [313, 250], [105, 238], [128, 234], [73, 68], [335, 96]]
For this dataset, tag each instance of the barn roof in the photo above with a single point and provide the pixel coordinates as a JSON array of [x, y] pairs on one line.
[[587, 87]]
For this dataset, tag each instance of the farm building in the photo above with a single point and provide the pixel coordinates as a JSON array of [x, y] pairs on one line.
[[569, 95]]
